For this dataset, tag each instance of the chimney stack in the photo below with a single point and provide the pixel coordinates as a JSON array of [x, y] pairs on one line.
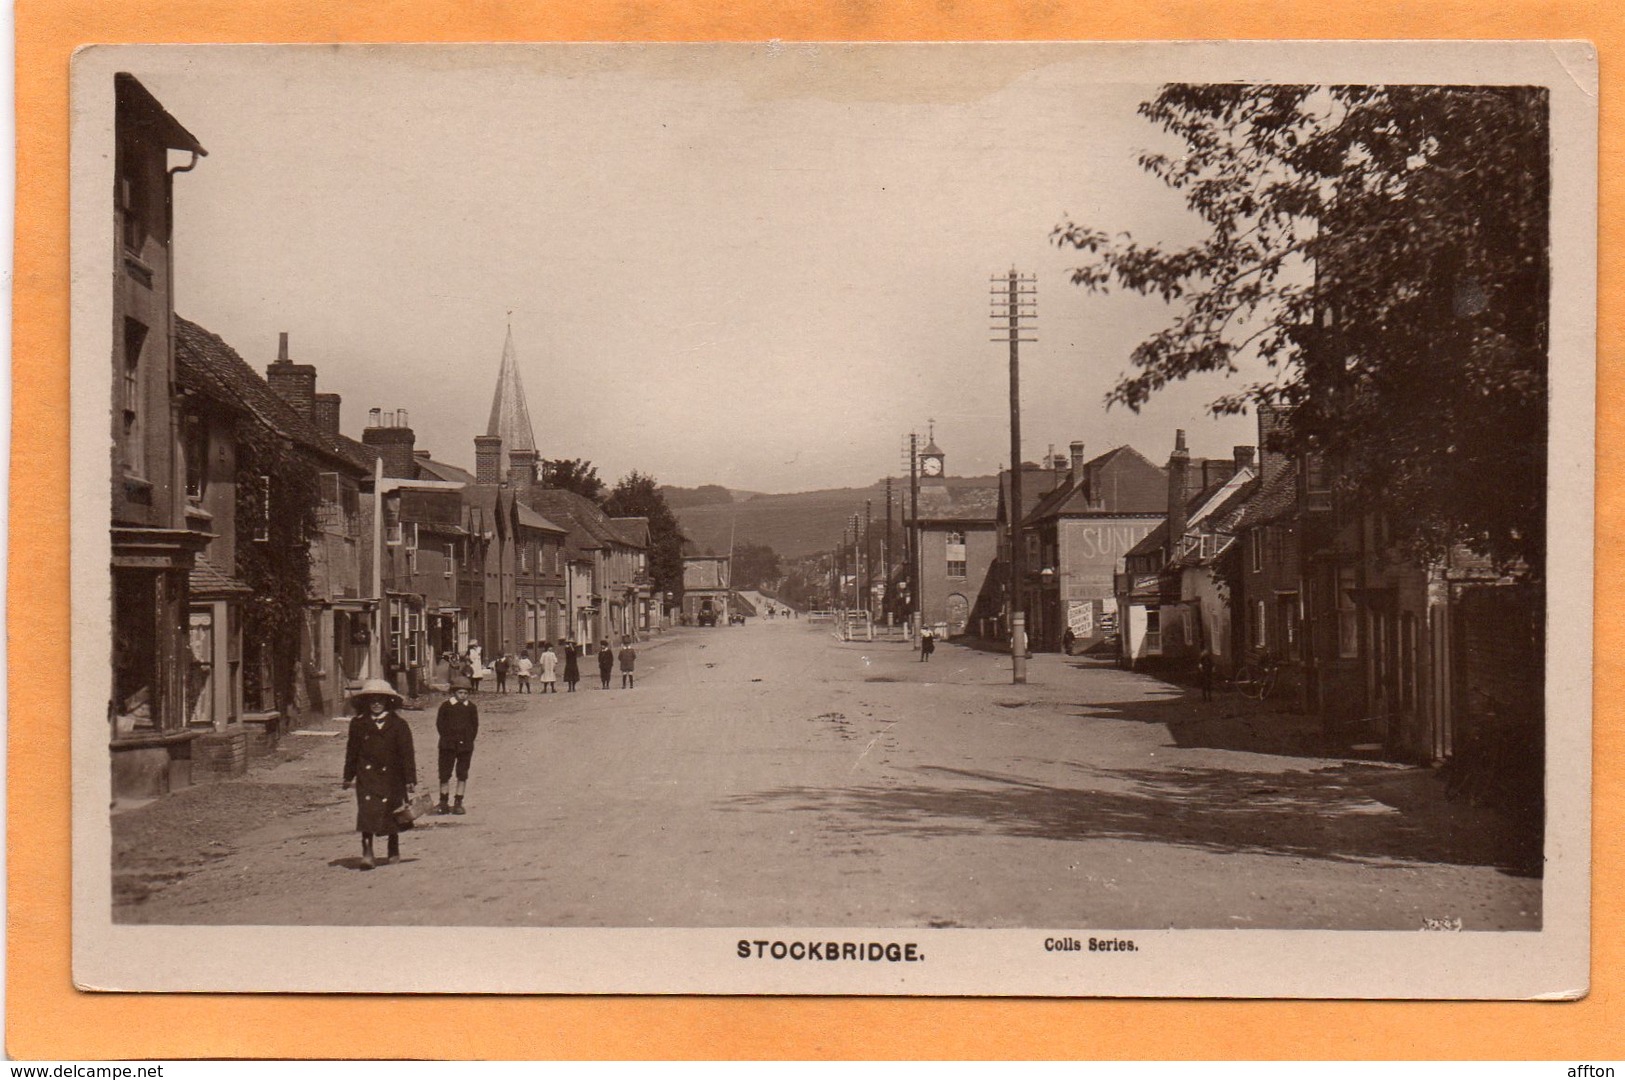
[[1179, 463], [488, 459], [394, 443], [1244, 457], [325, 413], [293, 383], [522, 468], [1273, 422], [1077, 463]]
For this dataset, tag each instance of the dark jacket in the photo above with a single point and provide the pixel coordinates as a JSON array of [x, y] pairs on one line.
[[458, 724], [381, 763], [572, 667], [628, 658], [606, 662]]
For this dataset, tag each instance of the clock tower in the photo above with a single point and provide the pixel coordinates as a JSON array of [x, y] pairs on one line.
[[932, 469]]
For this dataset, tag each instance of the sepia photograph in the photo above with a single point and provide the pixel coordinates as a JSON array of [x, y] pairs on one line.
[[1042, 519]]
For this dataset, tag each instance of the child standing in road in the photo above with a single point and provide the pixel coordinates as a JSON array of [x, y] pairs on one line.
[[523, 667], [550, 667], [606, 662], [629, 658], [572, 665]]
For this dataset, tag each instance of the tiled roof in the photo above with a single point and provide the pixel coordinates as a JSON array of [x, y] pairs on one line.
[[532, 520], [576, 513], [635, 529], [1068, 499], [1275, 498], [205, 363], [206, 579], [1153, 541], [439, 470]]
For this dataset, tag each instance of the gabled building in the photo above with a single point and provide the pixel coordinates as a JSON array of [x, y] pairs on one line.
[[707, 590], [155, 539], [1077, 534], [1171, 596], [249, 448]]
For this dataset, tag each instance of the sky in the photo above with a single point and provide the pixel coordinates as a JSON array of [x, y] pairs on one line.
[[760, 266]]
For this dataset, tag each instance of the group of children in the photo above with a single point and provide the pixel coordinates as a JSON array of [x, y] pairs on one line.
[[548, 668]]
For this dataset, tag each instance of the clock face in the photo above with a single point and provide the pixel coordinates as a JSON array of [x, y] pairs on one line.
[[931, 466]]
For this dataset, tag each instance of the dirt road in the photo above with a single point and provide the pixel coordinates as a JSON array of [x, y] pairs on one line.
[[770, 775]]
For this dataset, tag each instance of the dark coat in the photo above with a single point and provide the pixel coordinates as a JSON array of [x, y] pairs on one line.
[[381, 763], [572, 667], [458, 725], [606, 662], [628, 658]]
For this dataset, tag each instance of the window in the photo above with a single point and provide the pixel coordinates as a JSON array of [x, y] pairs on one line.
[[1261, 638], [957, 568], [451, 556], [1286, 614], [392, 522], [1316, 484], [524, 558], [1348, 618], [1255, 549], [956, 538], [195, 449], [135, 449], [409, 535]]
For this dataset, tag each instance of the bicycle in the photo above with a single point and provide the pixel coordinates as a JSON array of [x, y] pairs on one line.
[[1257, 680]]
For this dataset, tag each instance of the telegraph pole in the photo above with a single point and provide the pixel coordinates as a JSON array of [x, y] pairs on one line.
[[913, 534], [885, 559], [1016, 303], [868, 556]]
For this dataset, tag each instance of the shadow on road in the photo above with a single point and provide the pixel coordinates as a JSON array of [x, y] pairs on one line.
[[1229, 722], [1337, 814]]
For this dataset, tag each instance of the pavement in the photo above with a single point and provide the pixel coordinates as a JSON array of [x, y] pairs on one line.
[[772, 775]]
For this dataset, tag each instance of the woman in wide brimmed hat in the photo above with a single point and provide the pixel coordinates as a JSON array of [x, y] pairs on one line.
[[380, 762]]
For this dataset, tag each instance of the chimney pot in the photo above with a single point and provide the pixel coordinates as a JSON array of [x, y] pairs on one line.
[[1179, 441], [400, 418], [282, 348], [1244, 457], [375, 417], [1077, 462]]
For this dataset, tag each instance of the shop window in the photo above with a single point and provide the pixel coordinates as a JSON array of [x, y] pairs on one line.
[[200, 667], [137, 693]]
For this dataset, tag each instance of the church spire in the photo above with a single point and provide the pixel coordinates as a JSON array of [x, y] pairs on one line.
[[510, 418]]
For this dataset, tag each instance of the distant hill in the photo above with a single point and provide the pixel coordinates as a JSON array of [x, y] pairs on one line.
[[704, 495], [797, 524]]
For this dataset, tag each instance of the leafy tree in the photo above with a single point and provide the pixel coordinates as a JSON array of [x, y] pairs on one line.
[[754, 566], [573, 474], [1384, 251], [638, 495]]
